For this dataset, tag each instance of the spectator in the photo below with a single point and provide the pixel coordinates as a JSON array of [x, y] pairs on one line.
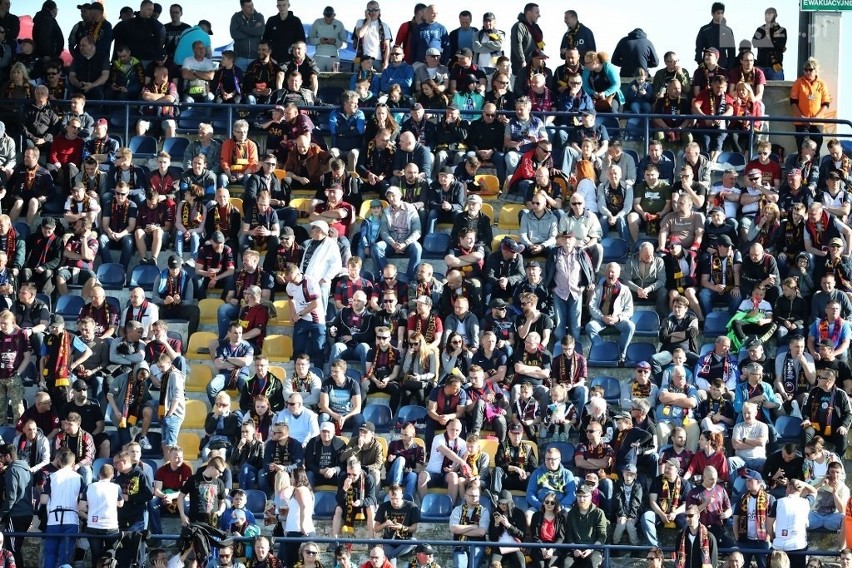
[[329, 35], [789, 519], [61, 492], [809, 99], [612, 305]]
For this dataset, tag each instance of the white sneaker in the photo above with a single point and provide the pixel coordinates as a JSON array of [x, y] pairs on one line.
[[145, 444]]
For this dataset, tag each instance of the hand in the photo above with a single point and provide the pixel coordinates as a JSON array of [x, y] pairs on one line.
[[842, 430]]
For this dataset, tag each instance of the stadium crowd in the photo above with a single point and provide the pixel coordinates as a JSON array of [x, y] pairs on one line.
[[482, 367]]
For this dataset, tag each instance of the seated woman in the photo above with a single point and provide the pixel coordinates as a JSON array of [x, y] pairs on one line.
[[549, 525], [745, 105], [711, 451], [602, 83], [222, 427]]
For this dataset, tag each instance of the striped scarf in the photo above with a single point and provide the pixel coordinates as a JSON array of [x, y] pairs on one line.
[[761, 510], [704, 540]]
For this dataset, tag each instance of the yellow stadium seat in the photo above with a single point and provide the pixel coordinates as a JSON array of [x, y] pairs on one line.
[[208, 308], [306, 193], [282, 308], [365, 207], [509, 216], [198, 340], [279, 173], [235, 404], [488, 211], [196, 413], [238, 203], [279, 348], [384, 444], [489, 446], [190, 443], [490, 185], [563, 187], [278, 371], [199, 377], [304, 207], [495, 244], [533, 446]]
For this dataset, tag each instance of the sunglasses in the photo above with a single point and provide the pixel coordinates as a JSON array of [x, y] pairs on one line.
[[312, 552], [489, 114], [550, 502], [383, 337], [690, 516]]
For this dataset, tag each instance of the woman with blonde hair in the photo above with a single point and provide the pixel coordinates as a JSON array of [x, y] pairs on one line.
[[292, 511], [419, 370], [745, 105], [601, 82], [18, 87], [308, 556], [766, 228], [809, 98], [779, 559], [817, 460]]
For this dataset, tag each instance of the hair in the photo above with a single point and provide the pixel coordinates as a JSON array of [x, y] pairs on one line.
[[9, 450], [812, 62], [66, 456], [779, 559]]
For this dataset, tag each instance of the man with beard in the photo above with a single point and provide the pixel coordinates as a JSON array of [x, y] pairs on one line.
[[173, 294], [485, 140], [260, 227], [94, 369], [262, 76], [412, 151], [612, 305], [249, 275], [375, 165], [31, 315], [136, 491], [287, 251], [673, 103], [91, 415], [61, 354], [78, 441], [306, 164]]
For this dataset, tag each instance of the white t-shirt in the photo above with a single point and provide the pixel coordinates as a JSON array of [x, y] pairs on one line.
[[753, 432], [791, 523], [102, 497], [730, 206], [370, 43], [436, 458], [64, 488]]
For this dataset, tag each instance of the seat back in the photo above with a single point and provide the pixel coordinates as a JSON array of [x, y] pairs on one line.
[[489, 184], [143, 276], [69, 305], [436, 507], [436, 245], [112, 276], [380, 415], [566, 449], [176, 147], [256, 501], [325, 502]]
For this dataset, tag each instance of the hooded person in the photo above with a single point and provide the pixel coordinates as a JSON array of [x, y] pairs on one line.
[[508, 523], [130, 401]]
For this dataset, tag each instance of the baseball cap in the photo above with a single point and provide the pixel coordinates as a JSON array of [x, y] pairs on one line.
[[368, 426], [754, 172], [48, 222], [794, 172], [424, 300], [533, 264], [206, 23], [711, 50], [452, 106], [588, 112], [465, 52], [629, 468], [510, 244], [643, 365], [102, 122], [516, 428], [321, 225], [417, 106], [80, 385], [754, 343], [475, 198], [288, 232], [826, 343], [488, 16], [724, 241], [84, 6], [498, 304], [750, 474], [622, 416], [96, 6], [57, 319], [836, 241], [448, 170], [833, 174], [218, 237], [434, 51], [327, 426], [584, 490], [424, 548], [539, 53], [175, 261], [376, 203]]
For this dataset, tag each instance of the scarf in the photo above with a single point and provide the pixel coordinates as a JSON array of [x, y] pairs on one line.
[[570, 38], [521, 455], [834, 336], [221, 220], [471, 460], [469, 517], [133, 397], [140, 311], [80, 451], [566, 368], [669, 498], [430, 323], [814, 415], [610, 293], [640, 391], [614, 197], [164, 389], [453, 447], [119, 215], [817, 230], [11, 242], [716, 271], [60, 362], [190, 215], [703, 539], [761, 510], [245, 279], [790, 379]]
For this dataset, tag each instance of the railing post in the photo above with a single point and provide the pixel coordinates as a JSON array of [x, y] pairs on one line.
[[127, 124]]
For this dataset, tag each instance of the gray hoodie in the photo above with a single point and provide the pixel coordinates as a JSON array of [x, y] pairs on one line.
[[18, 480], [118, 390]]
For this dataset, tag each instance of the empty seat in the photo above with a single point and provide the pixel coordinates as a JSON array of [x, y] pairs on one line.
[[196, 414], [143, 146], [716, 323], [325, 502], [615, 249], [176, 147], [638, 352], [436, 508], [489, 184], [208, 308], [509, 220], [380, 415], [197, 341], [436, 245], [69, 306], [143, 276], [112, 276], [411, 413], [279, 348], [199, 377], [256, 502], [190, 443], [604, 354], [647, 323]]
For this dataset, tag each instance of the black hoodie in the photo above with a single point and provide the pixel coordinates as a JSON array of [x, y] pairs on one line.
[[635, 51]]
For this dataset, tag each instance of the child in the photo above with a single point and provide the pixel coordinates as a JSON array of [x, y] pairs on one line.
[[227, 80], [364, 72], [640, 100], [559, 416], [466, 174], [803, 273], [627, 502], [238, 503], [369, 234], [475, 468], [678, 359], [716, 413], [526, 411], [366, 97]]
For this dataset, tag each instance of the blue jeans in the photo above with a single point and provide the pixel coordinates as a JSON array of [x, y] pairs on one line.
[[225, 314], [747, 544], [155, 524], [309, 337], [772, 74], [460, 556], [217, 384], [414, 252], [621, 227], [568, 314], [831, 521], [397, 474], [341, 351], [648, 521], [707, 297], [248, 476], [625, 328], [170, 427], [59, 551], [125, 243], [194, 242]]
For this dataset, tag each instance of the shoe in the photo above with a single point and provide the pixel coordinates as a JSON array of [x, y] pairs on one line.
[[145, 444], [621, 360], [190, 262]]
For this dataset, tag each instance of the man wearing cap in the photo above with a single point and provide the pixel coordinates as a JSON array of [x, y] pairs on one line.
[[794, 191], [465, 71], [322, 456], [472, 217], [504, 270], [720, 276], [445, 199], [827, 411], [329, 35], [568, 273], [487, 43], [44, 251], [586, 524], [708, 69], [752, 529], [174, 294], [321, 261], [215, 265], [424, 557], [640, 386], [666, 501], [514, 462], [836, 263], [425, 322]]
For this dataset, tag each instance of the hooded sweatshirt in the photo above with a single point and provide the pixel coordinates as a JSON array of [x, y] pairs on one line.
[[118, 389], [635, 51], [517, 528], [18, 481]]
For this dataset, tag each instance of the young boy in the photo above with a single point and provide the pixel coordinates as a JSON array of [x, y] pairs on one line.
[[716, 413], [627, 503], [526, 411], [475, 469], [227, 80]]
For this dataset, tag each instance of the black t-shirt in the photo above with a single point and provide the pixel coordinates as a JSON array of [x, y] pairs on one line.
[[90, 412], [204, 497], [406, 515], [137, 487]]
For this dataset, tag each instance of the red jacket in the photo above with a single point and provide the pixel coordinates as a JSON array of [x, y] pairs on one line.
[[65, 151]]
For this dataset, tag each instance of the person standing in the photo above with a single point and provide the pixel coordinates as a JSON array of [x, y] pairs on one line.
[[16, 507], [247, 28], [696, 545], [788, 520], [60, 495], [103, 499], [717, 35], [809, 99], [282, 31]]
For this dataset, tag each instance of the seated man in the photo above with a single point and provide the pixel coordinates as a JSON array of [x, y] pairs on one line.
[[340, 399], [720, 277], [833, 328], [666, 502], [831, 500], [467, 255], [80, 442], [214, 267], [118, 225], [381, 371], [469, 521], [646, 277], [197, 71], [400, 231], [538, 228], [749, 439], [754, 317], [652, 201], [352, 330], [473, 217], [406, 459], [249, 275], [683, 223], [154, 223], [79, 253], [446, 459], [161, 90], [239, 156], [306, 164], [43, 256], [674, 403], [261, 227], [446, 198], [168, 481], [828, 412], [375, 165], [612, 306], [231, 358], [446, 403], [551, 477], [29, 187], [173, 294]]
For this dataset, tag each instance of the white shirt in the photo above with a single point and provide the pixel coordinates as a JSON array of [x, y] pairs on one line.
[[436, 458], [302, 427], [102, 497], [370, 43], [755, 431], [63, 489], [730, 206], [791, 523]]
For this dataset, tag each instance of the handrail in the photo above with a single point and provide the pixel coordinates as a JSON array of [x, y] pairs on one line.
[[606, 549]]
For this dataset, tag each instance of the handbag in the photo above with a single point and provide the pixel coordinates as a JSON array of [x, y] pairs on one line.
[[604, 104]]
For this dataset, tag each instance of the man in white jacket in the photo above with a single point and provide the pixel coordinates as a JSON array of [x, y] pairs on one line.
[[321, 261]]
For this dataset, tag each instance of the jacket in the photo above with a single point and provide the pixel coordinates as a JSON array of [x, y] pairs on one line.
[[560, 525], [311, 166], [522, 44], [539, 230], [622, 507], [40, 122], [40, 453], [251, 454], [497, 267], [420, 155], [537, 489], [347, 132], [586, 528], [622, 307], [438, 196], [282, 34], [363, 333], [587, 271], [613, 78], [722, 38], [656, 278], [325, 262], [231, 427], [482, 225], [635, 51], [517, 528], [246, 34], [7, 152], [484, 136], [471, 328], [273, 390], [49, 40], [372, 456], [313, 451], [18, 497]]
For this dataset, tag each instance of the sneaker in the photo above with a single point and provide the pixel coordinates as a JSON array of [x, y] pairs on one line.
[[145, 444]]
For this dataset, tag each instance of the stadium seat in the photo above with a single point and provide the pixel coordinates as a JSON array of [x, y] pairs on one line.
[[199, 340], [615, 249], [46, 299], [152, 463], [647, 323], [69, 306], [238, 204], [638, 352], [112, 276], [436, 508], [789, 429], [7, 434], [199, 377], [489, 446], [495, 243], [208, 308], [490, 185], [22, 229], [279, 348], [567, 450], [325, 502], [278, 371], [176, 147], [613, 128], [705, 349], [436, 245], [143, 146], [256, 502], [143, 276], [604, 354], [670, 155], [365, 208], [354, 374], [633, 154], [380, 415], [282, 310], [318, 372], [190, 443], [508, 220], [716, 323], [196, 414], [191, 117], [411, 413], [115, 304], [611, 387], [302, 205], [732, 159], [96, 465]]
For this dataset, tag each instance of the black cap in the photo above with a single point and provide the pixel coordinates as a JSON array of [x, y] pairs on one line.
[[498, 303], [84, 6], [465, 52], [488, 16], [80, 385], [448, 170], [208, 24], [96, 6], [724, 241], [424, 548], [288, 232], [533, 264], [48, 222], [369, 426], [57, 319], [175, 261], [453, 106]]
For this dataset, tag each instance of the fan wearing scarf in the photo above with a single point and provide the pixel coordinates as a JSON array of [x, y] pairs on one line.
[[174, 294], [827, 411], [61, 352], [469, 521], [612, 306], [696, 545], [751, 529], [832, 328], [666, 502]]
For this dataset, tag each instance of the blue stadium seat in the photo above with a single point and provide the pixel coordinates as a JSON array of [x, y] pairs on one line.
[[190, 118], [411, 413], [99, 462], [436, 508], [436, 245], [256, 502], [114, 302], [69, 306], [46, 299], [380, 415], [613, 129], [633, 154], [733, 159], [153, 464], [567, 451], [176, 146], [324, 504], [8, 433], [318, 372], [368, 275], [143, 146], [716, 323], [638, 352], [521, 502], [647, 323], [23, 230], [789, 429], [354, 374], [611, 387], [112, 276], [143, 276], [668, 154], [705, 349], [615, 249], [604, 354]]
